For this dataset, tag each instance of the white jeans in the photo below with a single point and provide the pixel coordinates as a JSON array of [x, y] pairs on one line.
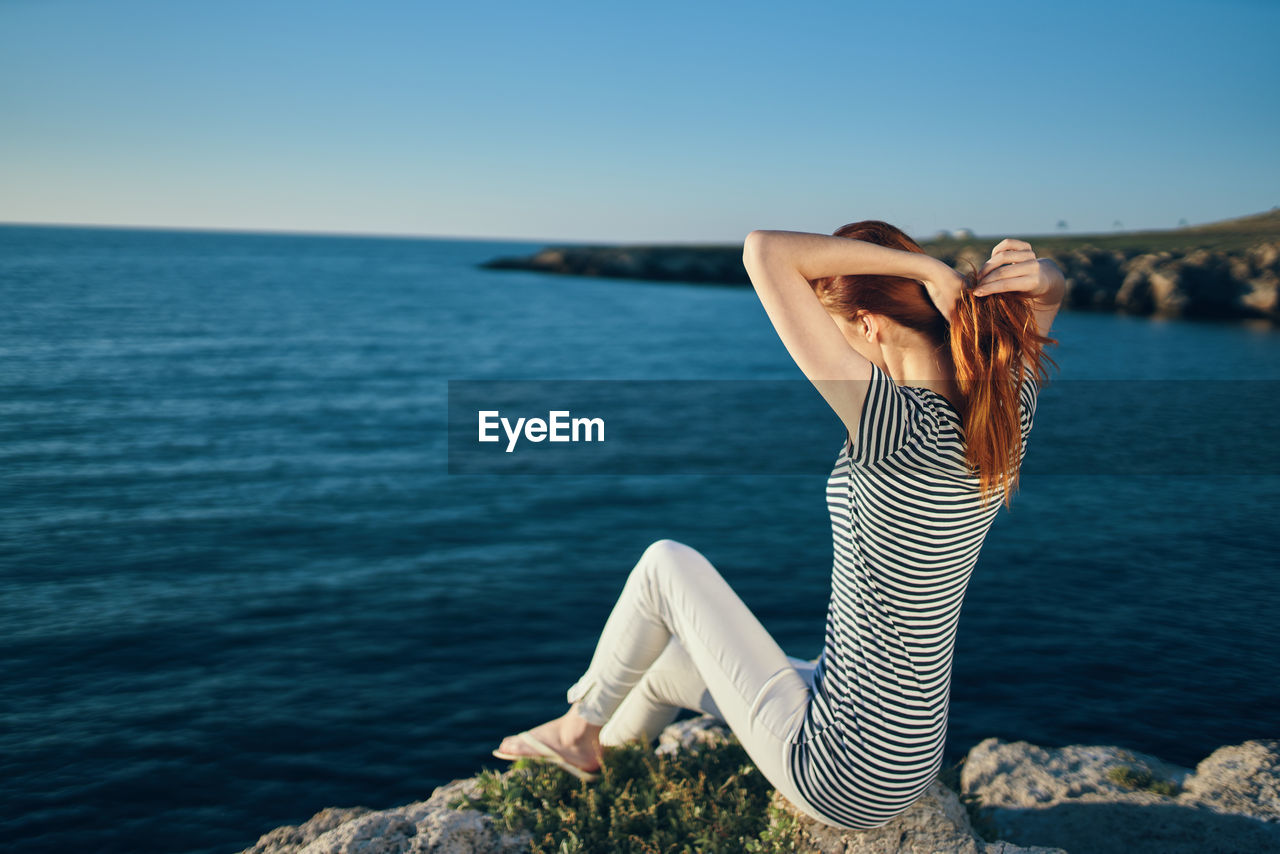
[[680, 638]]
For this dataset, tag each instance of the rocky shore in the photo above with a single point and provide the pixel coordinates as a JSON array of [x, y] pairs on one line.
[[1010, 798], [1228, 284]]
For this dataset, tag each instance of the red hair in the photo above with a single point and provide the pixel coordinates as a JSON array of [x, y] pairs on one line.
[[990, 345]]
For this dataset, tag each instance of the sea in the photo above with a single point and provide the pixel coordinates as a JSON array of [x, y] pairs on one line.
[[240, 580]]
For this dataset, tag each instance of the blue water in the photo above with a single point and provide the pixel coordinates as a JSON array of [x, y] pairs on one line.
[[237, 584]]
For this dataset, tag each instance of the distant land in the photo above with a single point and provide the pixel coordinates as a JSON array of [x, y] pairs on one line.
[[1226, 270]]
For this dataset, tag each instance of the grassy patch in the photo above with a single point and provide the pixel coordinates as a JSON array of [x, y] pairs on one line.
[[714, 800], [1140, 778], [1227, 235]]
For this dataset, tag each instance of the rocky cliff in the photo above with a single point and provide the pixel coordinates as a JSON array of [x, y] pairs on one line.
[[1218, 283], [1010, 798]]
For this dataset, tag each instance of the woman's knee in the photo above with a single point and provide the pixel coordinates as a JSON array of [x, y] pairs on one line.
[[664, 549], [666, 559], [673, 553], [666, 570]]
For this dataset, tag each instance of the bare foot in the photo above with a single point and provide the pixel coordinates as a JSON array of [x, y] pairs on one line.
[[569, 735]]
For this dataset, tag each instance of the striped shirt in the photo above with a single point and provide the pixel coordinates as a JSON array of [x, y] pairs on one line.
[[907, 524]]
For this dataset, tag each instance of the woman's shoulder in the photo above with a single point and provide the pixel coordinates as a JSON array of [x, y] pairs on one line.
[[894, 419]]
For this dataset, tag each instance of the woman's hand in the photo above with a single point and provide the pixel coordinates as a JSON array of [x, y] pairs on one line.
[[1013, 266]]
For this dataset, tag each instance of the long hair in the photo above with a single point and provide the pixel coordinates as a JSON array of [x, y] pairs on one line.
[[990, 344]]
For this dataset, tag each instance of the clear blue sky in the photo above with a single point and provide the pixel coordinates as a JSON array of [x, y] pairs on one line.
[[677, 121]]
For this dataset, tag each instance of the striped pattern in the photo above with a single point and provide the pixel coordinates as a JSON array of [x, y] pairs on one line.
[[907, 525]]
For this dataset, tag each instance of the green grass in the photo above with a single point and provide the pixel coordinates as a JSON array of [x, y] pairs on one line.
[[1227, 235], [1231, 234], [1139, 778], [714, 800]]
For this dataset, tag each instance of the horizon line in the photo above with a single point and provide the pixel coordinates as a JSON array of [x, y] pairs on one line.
[[542, 241]]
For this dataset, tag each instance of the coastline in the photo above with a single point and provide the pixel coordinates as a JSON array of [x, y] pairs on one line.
[[1003, 798], [1224, 271]]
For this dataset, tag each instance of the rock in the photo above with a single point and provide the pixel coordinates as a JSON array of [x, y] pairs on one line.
[[1094, 276], [1240, 779], [1074, 798], [1205, 285], [1265, 257], [935, 824], [968, 258], [1208, 283], [1083, 799], [1137, 293], [424, 827], [1024, 775], [704, 264], [292, 838], [692, 734]]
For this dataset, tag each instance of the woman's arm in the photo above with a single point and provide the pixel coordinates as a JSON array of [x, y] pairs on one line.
[[781, 263]]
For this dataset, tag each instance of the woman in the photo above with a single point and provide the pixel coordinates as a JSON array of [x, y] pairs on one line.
[[935, 376]]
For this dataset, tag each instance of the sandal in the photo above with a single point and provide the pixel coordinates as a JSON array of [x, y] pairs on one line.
[[547, 754]]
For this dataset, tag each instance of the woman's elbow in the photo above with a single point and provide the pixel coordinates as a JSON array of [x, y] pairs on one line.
[[754, 247]]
